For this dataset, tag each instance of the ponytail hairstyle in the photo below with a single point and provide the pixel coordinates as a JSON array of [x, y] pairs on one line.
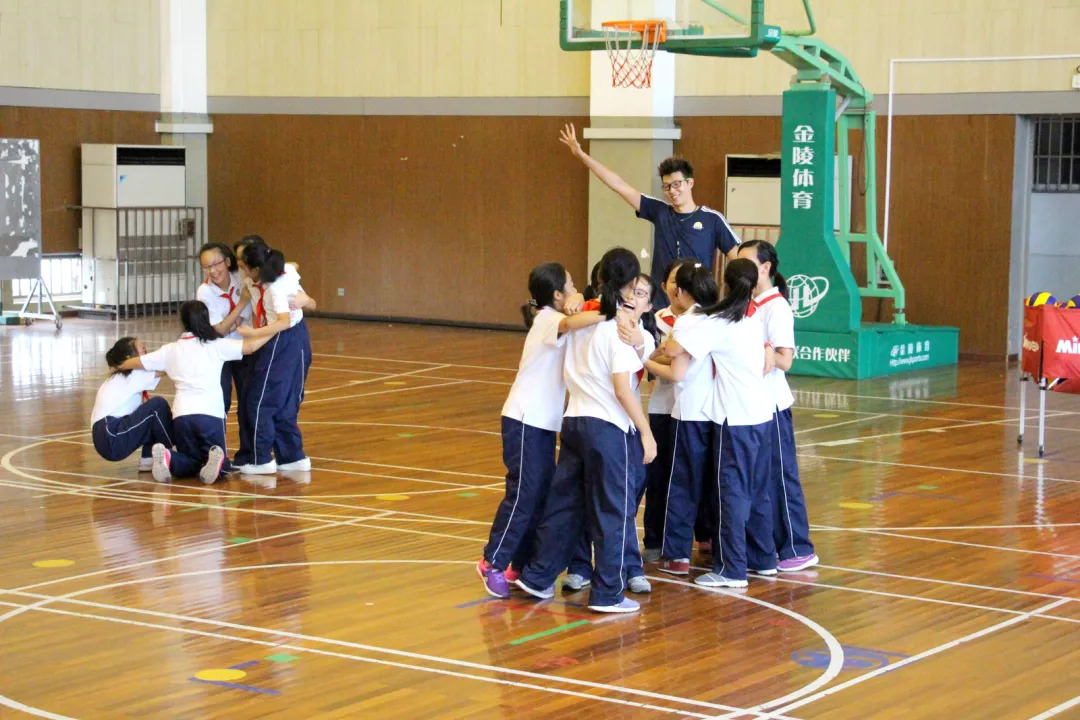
[[243, 244], [618, 267], [741, 278], [766, 253], [648, 320], [121, 350], [268, 262], [544, 281], [226, 253], [195, 317], [697, 281], [591, 292]]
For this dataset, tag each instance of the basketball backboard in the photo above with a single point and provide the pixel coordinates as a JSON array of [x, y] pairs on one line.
[[729, 28]]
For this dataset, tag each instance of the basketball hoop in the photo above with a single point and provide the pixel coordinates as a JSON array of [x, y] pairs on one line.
[[631, 66]]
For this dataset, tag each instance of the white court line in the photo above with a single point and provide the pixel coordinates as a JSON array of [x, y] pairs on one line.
[[1057, 709], [857, 439], [950, 542], [398, 425], [386, 392], [835, 425], [381, 378], [836, 652], [938, 468], [341, 643], [415, 362], [921, 656], [89, 487], [406, 467], [946, 582], [326, 653]]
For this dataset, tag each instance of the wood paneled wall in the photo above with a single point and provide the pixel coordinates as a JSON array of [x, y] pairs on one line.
[[950, 226], [62, 133], [415, 217]]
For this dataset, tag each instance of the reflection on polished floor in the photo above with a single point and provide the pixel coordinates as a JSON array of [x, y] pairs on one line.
[[948, 589]]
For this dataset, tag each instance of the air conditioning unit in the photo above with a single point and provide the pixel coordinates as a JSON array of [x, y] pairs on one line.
[[137, 233], [753, 191]]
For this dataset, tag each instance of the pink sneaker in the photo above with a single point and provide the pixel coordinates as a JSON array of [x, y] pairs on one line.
[[162, 460], [797, 563], [494, 580], [511, 575], [675, 567]]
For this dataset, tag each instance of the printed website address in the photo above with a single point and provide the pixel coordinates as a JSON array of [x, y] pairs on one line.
[[909, 360]]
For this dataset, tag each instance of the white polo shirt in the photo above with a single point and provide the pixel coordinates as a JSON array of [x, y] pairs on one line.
[[276, 296], [121, 395], [694, 392], [662, 399], [739, 395], [538, 395], [221, 302], [195, 369], [593, 355], [779, 324]]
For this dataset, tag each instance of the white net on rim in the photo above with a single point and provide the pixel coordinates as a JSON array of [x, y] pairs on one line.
[[631, 52]]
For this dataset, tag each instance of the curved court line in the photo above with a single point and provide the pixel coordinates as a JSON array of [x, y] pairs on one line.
[[836, 652], [915, 658], [48, 600]]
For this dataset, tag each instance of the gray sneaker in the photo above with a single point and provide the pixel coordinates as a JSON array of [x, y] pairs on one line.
[[639, 585], [651, 555], [575, 582]]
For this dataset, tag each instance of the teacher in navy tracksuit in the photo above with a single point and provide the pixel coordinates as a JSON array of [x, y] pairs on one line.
[[682, 228]]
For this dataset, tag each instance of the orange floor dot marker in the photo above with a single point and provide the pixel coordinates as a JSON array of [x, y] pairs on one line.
[[391, 497], [53, 563], [220, 675], [856, 505]]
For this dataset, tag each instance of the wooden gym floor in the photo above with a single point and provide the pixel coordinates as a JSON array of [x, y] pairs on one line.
[[949, 584]]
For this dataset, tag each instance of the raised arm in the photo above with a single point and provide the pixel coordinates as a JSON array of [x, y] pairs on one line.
[[568, 137], [581, 320]]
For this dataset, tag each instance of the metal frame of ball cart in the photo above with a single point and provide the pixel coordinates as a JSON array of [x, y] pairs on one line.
[[1044, 385], [824, 75]]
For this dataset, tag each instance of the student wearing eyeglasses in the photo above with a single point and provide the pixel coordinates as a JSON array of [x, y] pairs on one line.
[[682, 228]]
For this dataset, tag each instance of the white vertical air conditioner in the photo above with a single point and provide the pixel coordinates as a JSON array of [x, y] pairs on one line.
[[134, 224]]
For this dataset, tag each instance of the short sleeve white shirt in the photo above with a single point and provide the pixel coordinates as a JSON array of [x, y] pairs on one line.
[[662, 399], [195, 369], [276, 297], [779, 325], [538, 395], [740, 396], [593, 355], [221, 302], [121, 395], [695, 391]]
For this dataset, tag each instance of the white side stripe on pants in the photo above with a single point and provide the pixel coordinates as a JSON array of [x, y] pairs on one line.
[[783, 484], [255, 428], [521, 465], [667, 500], [720, 503]]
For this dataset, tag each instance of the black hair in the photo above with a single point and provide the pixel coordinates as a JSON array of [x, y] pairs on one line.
[[648, 320], [544, 281], [766, 253], [592, 292], [676, 263], [226, 253], [618, 268], [121, 350], [244, 242], [697, 281], [269, 262], [195, 317], [740, 277], [674, 164]]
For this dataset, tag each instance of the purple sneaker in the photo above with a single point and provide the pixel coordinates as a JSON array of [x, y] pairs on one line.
[[797, 563], [494, 580]]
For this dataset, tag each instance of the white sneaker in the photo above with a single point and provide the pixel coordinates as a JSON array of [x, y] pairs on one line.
[[146, 464], [764, 573], [639, 585], [161, 460], [626, 606], [210, 471], [304, 464], [265, 469], [717, 580], [575, 582]]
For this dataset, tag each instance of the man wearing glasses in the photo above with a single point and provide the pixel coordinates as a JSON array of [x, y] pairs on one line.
[[682, 228]]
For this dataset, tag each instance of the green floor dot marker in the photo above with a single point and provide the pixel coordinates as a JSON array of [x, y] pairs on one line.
[[467, 494], [282, 658], [405, 435], [238, 540], [196, 507], [928, 487]]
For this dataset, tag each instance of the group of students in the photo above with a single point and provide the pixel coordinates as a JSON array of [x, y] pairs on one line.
[[244, 329], [713, 459]]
